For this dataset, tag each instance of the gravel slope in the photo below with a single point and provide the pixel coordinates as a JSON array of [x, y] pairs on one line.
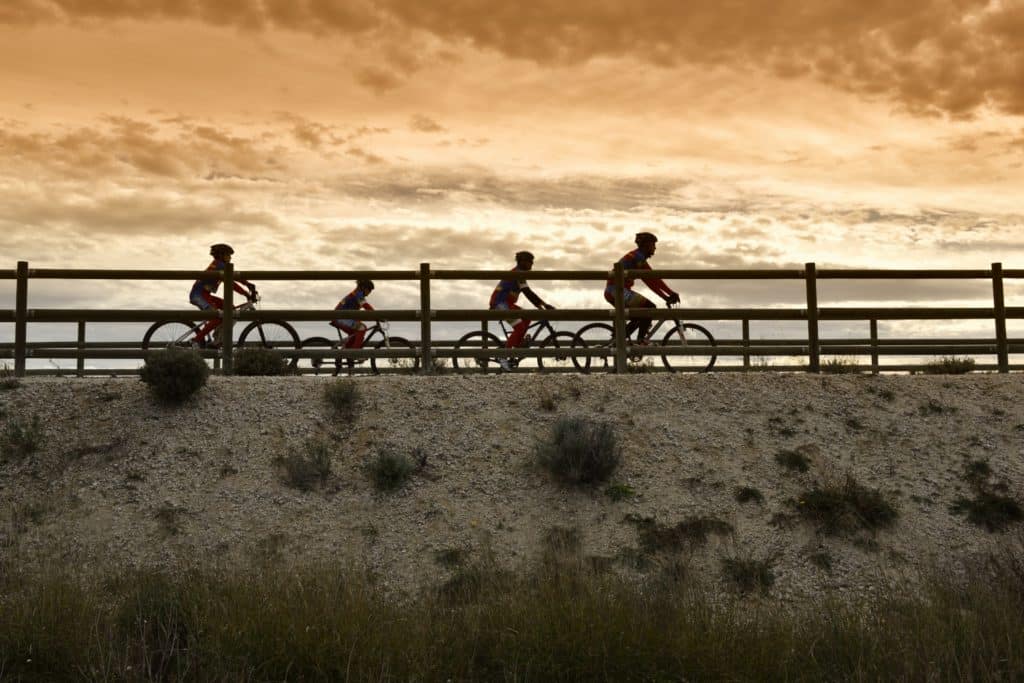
[[121, 478]]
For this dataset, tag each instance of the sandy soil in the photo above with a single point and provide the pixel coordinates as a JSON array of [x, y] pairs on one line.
[[120, 478]]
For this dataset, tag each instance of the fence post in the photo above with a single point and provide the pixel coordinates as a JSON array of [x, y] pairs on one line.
[[21, 319], [1002, 352], [620, 318], [81, 348], [746, 345], [425, 314], [813, 345], [227, 325], [874, 347]]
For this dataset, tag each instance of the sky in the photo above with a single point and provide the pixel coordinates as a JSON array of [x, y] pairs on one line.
[[381, 134]]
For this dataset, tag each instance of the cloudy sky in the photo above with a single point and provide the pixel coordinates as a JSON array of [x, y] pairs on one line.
[[385, 133]]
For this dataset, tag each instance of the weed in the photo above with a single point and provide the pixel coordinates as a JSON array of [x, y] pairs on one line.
[[305, 471], [8, 381], [173, 375], [777, 427], [949, 365], [390, 471], [748, 494], [796, 459], [991, 510], [450, 557], [259, 361], [822, 560], [846, 507], [840, 366], [747, 574], [343, 396], [581, 451], [548, 401], [169, 516], [933, 407], [620, 492], [656, 537], [20, 438], [854, 424], [977, 472]]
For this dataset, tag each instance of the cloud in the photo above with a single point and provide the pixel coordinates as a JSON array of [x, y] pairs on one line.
[[425, 124]]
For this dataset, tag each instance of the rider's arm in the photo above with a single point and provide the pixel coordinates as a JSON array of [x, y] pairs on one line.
[[534, 299], [367, 306], [659, 287]]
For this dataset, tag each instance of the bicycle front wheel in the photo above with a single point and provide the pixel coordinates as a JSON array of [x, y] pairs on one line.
[[696, 342], [596, 339], [271, 334], [169, 333], [410, 363], [314, 364], [473, 342], [560, 345]]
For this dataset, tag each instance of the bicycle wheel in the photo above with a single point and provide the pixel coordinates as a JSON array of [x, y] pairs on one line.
[[561, 344], [411, 363], [692, 338], [315, 364], [473, 341], [168, 333], [596, 337], [271, 334]]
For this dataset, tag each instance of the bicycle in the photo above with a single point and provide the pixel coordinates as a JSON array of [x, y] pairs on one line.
[[562, 340], [601, 336], [269, 334], [370, 341]]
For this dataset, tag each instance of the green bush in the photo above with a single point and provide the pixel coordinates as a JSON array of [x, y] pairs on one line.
[[342, 395], [846, 507], [581, 451], [173, 375], [256, 361], [20, 438], [390, 471]]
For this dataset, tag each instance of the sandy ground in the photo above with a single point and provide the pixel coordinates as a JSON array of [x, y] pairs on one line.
[[121, 478]]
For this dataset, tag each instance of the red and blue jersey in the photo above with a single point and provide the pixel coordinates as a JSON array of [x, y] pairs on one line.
[[637, 260], [507, 291], [207, 284], [353, 300]]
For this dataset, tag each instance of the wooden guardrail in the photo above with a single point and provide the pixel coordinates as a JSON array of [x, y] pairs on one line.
[[812, 347]]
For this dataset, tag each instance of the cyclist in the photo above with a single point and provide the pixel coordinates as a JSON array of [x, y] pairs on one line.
[[203, 296], [646, 244], [353, 301], [504, 298]]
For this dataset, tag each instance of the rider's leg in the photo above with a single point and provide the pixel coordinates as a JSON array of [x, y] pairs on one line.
[[356, 332], [206, 302], [643, 324]]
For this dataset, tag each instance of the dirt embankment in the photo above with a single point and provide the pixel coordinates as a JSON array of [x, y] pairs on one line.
[[120, 478]]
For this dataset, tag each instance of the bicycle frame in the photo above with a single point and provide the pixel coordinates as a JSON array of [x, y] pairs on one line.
[[247, 306]]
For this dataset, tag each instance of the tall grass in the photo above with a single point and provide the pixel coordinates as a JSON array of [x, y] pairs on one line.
[[326, 623]]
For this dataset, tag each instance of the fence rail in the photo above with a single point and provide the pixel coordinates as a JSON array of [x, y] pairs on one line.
[[427, 348]]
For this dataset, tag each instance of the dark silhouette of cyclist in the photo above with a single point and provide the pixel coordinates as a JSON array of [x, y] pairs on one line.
[[646, 244], [353, 301], [505, 295], [202, 294]]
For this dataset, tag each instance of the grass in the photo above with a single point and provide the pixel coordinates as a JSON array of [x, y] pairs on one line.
[[993, 511], [343, 396], [390, 471], [20, 438], [949, 365], [580, 451], [748, 494], [8, 382], [747, 574], [170, 517], [691, 532], [549, 623], [619, 492], [839, 366], [793, 460], [846, 508], [258, 361], [306, 470]]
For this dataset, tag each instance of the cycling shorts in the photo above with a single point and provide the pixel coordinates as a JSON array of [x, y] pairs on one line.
[[205, 301]]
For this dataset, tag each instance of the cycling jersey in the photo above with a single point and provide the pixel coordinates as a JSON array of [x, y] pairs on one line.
[[207, 285], [637, 260], [352, 301], [507, 291]]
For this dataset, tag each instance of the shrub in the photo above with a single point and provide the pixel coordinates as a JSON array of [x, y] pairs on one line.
[[7, 379], [839, 366], [390, 471], [257, 361], [847, 507], [305, 471], [694, 531], [618, 492], [581, 451], [793, 460], [748, 494], [342, 395], [949, 365], [173, 375], [21, 438], [748, 574], [991, 510]]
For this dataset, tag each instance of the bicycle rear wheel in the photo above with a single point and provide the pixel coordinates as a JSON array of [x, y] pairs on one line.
[[314, 364], [596, 337], [561, 344], [169, 333], [271, 334], [696, 341], [410, 363], [475, 341]]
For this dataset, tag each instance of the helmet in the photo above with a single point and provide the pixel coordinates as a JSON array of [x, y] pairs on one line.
[[221, 249], [524, 256], [364, 283], [642, 237]]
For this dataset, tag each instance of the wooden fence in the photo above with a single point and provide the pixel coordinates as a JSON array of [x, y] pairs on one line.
[[427, 348]]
